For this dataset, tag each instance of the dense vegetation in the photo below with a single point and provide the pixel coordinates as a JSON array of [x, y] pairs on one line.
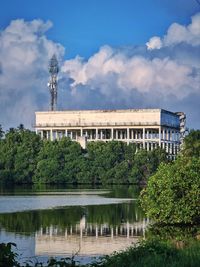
[[25, 158], [153, 253], [172, 194]]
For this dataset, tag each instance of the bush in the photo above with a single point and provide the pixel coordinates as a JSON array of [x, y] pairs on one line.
[[172, 195]]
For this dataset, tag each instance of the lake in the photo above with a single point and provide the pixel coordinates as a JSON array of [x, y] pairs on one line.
[[59, 221]]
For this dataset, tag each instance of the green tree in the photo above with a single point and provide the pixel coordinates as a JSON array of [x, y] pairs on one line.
[[172, 194], [18, 153], [110, 162], [58, 162], [146, 163], [191, 146], [1, 132]]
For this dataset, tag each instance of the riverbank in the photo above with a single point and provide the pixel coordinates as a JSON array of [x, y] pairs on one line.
[[153, 253]]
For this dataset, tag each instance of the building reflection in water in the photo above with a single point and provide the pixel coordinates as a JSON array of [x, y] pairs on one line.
[[88, 238]]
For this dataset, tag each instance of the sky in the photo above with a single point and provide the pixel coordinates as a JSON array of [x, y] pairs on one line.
[[112, 54]]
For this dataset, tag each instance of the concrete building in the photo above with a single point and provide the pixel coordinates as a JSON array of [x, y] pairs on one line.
[[147, 128]]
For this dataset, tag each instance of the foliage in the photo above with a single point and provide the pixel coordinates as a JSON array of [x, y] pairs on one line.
[[174, 233], [110, 162], [146, 163], [7, 256], [191, 146], [24, 158], [1, 132], [18, 153], [58, 161], [153, 253], [172, 195]]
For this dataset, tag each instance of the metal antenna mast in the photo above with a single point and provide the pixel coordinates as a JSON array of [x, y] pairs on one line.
[[53, 70]]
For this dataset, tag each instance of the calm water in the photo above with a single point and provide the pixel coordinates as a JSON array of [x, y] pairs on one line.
[[50, 221]]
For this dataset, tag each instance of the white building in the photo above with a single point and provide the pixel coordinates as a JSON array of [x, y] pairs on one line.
[[147, 128]]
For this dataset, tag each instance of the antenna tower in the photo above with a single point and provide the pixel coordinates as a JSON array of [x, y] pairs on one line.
[[53, 85]]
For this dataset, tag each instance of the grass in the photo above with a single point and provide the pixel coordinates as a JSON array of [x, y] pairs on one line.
[[155, 253]]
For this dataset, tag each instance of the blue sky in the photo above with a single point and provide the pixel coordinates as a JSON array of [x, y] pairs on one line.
[[82, 26], [112, 54]]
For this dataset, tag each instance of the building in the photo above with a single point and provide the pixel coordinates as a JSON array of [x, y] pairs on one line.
[[147, 128]]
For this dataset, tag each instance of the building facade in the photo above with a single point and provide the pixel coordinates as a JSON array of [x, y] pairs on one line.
[[147, 128]]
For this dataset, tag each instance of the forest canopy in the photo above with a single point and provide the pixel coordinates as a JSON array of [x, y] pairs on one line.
[[25, 158]]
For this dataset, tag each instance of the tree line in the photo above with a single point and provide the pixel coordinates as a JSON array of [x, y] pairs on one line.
[[25, 158]]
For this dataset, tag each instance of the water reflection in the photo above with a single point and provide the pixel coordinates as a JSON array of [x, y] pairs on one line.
[[88, 238], [87, 230]]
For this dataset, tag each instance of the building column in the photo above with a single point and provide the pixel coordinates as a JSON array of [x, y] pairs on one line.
[[51, 134], [117, 134], [171, 148], [81, 132], [166, 134], [42, 134], [169, 135], [96, 137], [47, 134], [174, 150], [112, 134], [143, 130], [101, 134], [128, 135], [168, 147], [159, 136]]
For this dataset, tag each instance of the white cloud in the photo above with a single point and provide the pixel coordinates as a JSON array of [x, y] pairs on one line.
[[166, 75], [154, 43], [24, 55], [178, 34], [130, 73]]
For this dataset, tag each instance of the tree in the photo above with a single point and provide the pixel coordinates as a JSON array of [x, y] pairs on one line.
[[18, 152], [58, 162], [191, 146], [1, 132], [110, 162], [172, 194], [146, 163]]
